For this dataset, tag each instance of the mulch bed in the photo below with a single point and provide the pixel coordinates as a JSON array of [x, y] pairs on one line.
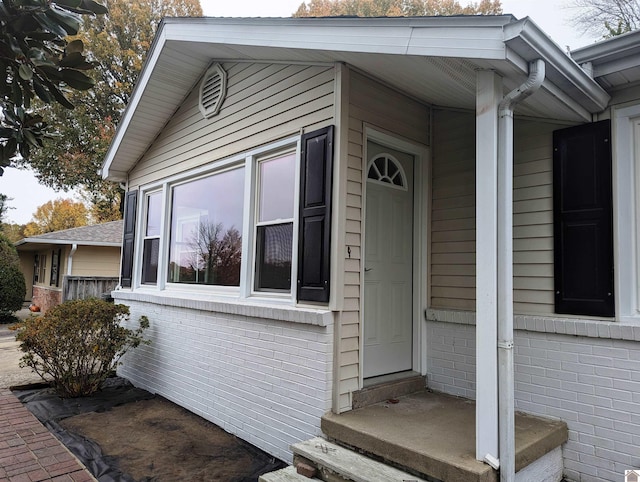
[[125, 434]]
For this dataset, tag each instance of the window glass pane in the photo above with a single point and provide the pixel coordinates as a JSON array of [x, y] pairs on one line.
[[273, 257], [154, 214], [206, 230], [277, 177], [150, 260], [43, 268]]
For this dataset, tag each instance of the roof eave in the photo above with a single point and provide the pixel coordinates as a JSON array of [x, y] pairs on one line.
[[136, 95], [407, 36], [65, 241], [600, 51], [561, 68]]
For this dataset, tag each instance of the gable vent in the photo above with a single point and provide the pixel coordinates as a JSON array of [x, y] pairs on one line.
[[212, 91]]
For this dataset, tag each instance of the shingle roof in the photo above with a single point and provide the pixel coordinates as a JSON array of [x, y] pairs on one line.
[[106, 234]]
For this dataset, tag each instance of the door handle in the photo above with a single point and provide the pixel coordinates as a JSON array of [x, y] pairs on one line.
[[366, 270]]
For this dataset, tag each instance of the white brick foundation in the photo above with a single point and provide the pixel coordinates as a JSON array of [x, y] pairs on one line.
[[590, 380], [264, 380]]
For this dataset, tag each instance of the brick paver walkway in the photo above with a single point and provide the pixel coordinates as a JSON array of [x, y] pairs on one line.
[[29, 452]]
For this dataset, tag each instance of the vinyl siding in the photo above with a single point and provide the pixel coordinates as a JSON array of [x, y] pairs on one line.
[[26, 267], [96, 261], [533, 217], [264, 102], [374, 105], [453, 218], [453, 257]]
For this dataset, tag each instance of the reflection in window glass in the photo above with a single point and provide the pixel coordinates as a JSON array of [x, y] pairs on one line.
[[273, 253], [277, 177], [154, 214], [150, 254], [206, 230]]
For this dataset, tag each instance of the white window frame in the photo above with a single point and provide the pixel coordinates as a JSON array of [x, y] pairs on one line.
[[186, 287], [144, 236], [249, 160], [626, 208], [294, 149]]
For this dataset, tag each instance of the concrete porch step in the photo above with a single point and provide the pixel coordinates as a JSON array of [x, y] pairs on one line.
[[337, 464], [288, 474], [434, 434]]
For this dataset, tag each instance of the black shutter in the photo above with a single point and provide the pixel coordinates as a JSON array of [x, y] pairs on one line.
[[55, 268], [583, 220], [315, 215], [128, 238]]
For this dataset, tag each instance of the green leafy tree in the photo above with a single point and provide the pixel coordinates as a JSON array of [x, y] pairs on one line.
[[13, 288], [607, 18], [38, 61], [14, 232], [117, 43], [396, 8], [57, 215]]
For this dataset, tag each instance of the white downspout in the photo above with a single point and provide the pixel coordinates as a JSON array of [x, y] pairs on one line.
[[506, 419], [74, 248]]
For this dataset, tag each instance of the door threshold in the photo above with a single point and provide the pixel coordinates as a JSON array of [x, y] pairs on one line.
[[388, 387], [390, 377]]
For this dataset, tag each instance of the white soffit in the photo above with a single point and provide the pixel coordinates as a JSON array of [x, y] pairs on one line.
[[433, 59]]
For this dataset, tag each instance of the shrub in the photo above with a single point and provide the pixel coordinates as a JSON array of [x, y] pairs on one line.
[[11, 280], [78, 344]]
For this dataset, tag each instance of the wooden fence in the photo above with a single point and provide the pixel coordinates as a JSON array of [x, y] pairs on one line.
[[81, 287]]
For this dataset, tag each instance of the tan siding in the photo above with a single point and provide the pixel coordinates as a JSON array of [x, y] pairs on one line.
[[377, 106], [264, 103], [96, 261], [452, 272], [453, 211], [26, 259], [533, 214]]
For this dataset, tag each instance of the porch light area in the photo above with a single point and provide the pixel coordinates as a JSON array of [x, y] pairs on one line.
[[433, 435]]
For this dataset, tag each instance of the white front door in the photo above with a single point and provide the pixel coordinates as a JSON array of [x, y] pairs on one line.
[[388, 262]]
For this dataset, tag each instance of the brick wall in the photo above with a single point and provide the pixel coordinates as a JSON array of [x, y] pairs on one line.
[[591, 381], [45, 298], [264, 380]]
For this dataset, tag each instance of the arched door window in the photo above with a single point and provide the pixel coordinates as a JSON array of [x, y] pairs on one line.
[[386, 169]]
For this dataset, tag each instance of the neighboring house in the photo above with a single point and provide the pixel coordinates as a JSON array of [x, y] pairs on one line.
[[314, 205], [72, 263]]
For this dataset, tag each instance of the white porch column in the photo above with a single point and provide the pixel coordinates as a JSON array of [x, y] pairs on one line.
[[488, 97]]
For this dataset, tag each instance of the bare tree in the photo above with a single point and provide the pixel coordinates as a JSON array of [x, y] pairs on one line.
[[607, 18], [216, 254]]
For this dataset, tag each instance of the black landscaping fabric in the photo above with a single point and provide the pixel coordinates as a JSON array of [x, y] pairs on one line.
[[50, 409]]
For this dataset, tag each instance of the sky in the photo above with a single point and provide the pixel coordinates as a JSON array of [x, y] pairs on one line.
[[552, 16]]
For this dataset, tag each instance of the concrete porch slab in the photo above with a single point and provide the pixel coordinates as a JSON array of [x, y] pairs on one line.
[[434, 434]]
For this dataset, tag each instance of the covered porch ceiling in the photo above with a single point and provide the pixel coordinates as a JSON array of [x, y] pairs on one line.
[[433, 59]]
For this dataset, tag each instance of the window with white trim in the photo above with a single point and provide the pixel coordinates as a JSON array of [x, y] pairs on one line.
[[151, 240], [205, 244], [41, 269], [232, 227], [274, 223]]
